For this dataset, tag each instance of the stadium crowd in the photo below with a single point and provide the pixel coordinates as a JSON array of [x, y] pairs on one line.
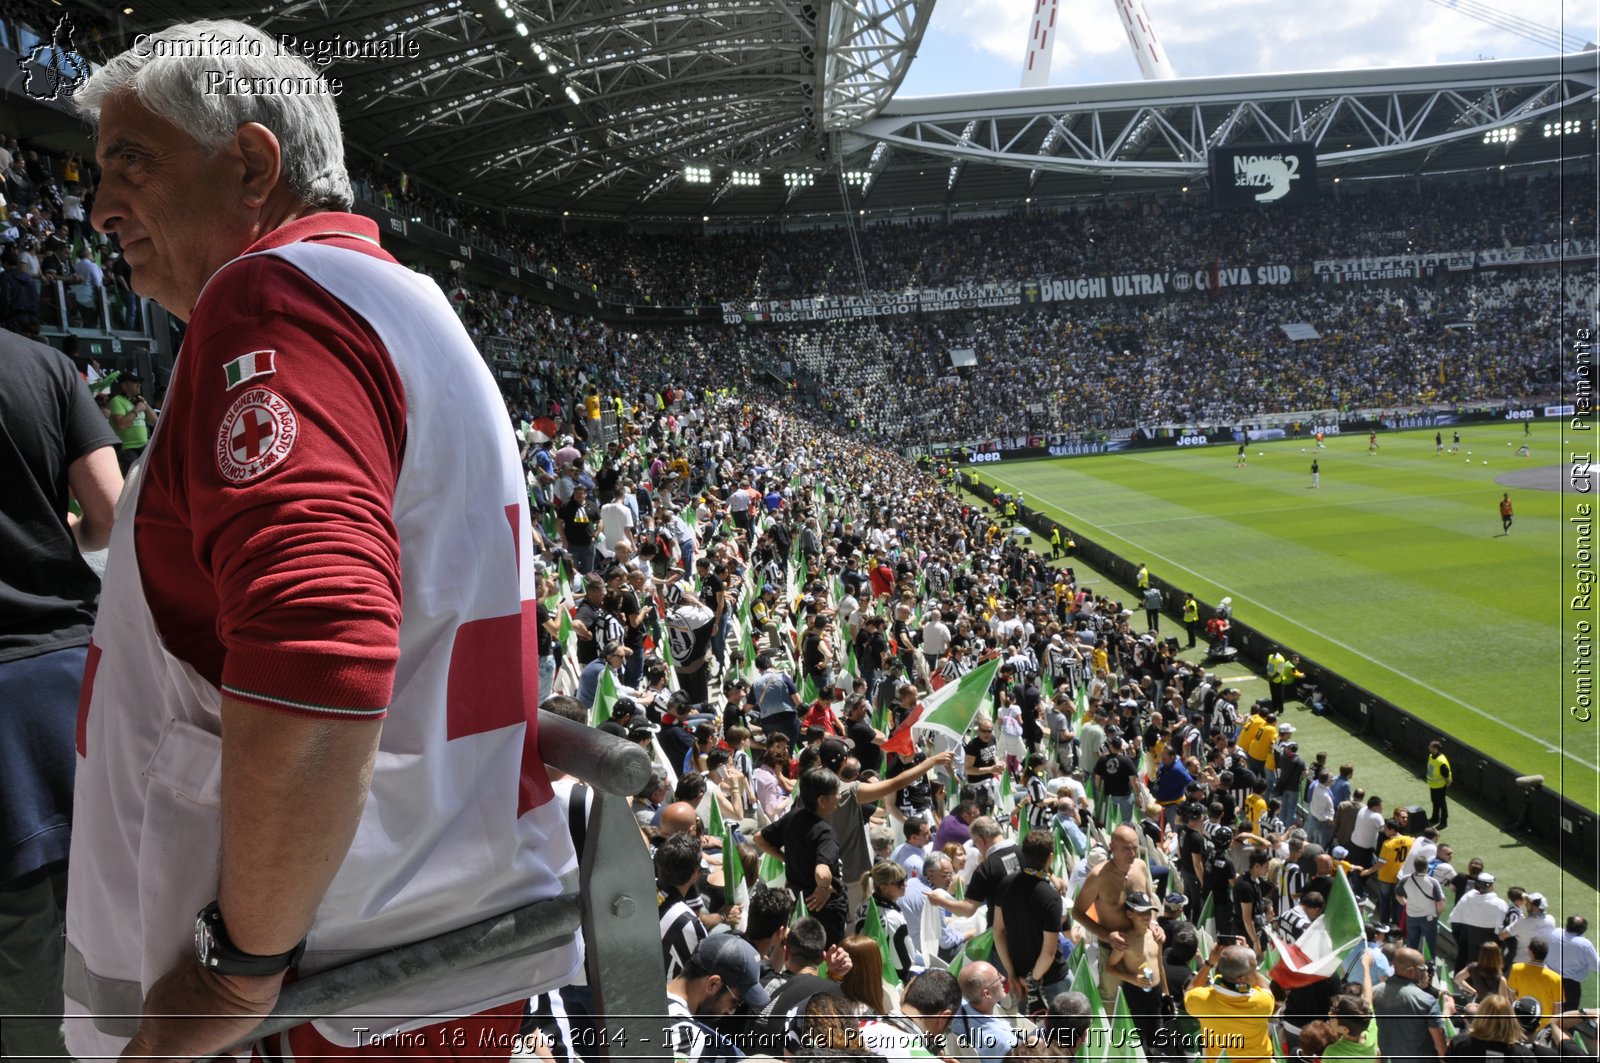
[[1144, 234], [1075, 367], [1108, 784], [1108, 839]]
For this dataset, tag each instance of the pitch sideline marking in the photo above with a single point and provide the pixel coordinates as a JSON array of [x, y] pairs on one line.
[[1548, 746]]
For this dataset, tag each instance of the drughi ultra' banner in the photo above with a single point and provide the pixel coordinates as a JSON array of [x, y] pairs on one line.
[[1011, 293], [1211, 278]]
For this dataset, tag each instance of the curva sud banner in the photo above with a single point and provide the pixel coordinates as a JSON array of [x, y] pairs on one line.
[[1179, 281], [1011, 293]]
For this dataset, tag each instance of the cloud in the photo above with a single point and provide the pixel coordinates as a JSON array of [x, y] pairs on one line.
[[984, 39]]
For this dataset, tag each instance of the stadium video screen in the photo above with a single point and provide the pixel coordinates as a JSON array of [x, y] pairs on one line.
[[1244, 175]]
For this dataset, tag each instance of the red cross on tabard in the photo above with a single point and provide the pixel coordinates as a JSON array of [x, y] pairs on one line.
[[252, 430], [493, 681]]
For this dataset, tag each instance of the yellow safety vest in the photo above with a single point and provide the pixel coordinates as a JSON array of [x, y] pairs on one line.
[[1437, 766], [1191, 611]]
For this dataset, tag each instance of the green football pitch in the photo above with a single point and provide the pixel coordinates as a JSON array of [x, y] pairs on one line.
[[1394, 572]]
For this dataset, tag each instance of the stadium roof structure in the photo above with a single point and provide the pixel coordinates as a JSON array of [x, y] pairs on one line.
[[748, 110]]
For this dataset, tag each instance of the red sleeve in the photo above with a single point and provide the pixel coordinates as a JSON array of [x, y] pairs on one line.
[[289, 484]]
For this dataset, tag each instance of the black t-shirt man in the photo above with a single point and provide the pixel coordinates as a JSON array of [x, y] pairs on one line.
[[985, 753], [712, 585], [48, 593], [593, 616], [861, 732], [633, 637], [811, 651], [1003, 861], [579, 520], [547, 647], [806, 841], [1031, 907], [1117, 772], [1219, 883], [1250, 890], [789, 999]]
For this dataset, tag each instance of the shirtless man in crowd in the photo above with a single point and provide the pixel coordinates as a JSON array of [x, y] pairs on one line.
[[1101, 904]]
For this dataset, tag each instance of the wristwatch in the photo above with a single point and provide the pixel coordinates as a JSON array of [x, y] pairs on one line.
[[216, 952]]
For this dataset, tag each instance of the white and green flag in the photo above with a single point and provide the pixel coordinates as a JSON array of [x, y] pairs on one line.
[[949, 712]]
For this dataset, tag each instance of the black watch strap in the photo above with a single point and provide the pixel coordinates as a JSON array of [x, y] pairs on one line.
[[216, 952]]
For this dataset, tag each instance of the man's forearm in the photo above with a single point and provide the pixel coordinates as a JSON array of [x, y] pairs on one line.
[[292, 792], [1047, 956]]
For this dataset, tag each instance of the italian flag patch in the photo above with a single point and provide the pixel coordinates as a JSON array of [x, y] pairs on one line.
[[248, 367]]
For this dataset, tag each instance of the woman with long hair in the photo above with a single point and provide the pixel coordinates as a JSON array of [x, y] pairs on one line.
[[1486, 976], [771, 780], [864, 983], [1491, 1032], [886, 883]]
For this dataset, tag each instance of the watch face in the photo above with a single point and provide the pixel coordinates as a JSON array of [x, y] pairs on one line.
[[203, 942]]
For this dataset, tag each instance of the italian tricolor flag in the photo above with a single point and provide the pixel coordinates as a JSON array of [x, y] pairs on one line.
[[249, 366], [952, 710], [1320, 951]]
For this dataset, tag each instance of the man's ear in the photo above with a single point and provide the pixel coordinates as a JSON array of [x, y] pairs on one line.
[[262, 156]]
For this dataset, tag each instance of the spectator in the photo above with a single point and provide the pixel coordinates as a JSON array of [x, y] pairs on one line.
[[1574, 957], [1476, 918], [978, 1023], [677, 863], [1232, 1003], [57, 448], [1532, 978], [809, 848], [1423, 898], [1028, 922], [1486, 976], [1410, 1019]]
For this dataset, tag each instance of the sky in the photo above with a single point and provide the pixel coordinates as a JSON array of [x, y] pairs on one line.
[[979, 45]]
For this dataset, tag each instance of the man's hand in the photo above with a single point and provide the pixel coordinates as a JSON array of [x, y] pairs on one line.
[[819, 899], [838, 961], [1118, 941], [193, 1014]]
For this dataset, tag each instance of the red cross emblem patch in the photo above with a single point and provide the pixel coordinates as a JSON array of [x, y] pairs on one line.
[[257, 434]]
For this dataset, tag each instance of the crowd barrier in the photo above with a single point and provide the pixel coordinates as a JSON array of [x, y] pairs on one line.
[[1565, 831]]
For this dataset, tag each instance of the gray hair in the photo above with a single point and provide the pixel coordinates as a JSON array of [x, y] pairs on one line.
[[186, 73], [936, 862], [985, 827]]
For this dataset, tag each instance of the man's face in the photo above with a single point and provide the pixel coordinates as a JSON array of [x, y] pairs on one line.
[[721, 1002], [1124, 848], [178, 214]]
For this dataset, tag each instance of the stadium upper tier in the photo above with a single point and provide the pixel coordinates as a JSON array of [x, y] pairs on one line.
[[1125, 235], [1092, 367]]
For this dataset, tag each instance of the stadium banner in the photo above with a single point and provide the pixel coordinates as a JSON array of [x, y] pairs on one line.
[[875, 304], [1532, 254], [988, 451], [1245, 175], [1390, 267], [1144, 285]]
